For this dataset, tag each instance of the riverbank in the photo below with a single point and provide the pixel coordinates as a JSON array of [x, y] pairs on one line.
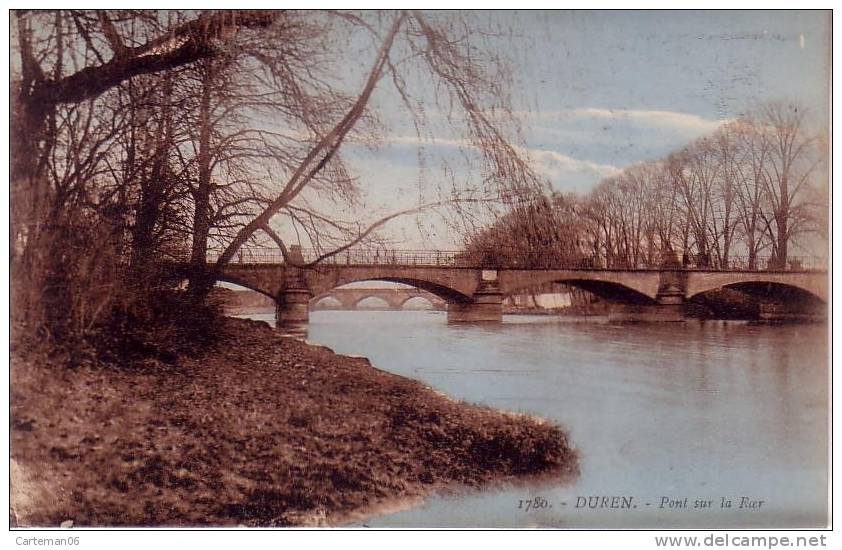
[[259, 430]]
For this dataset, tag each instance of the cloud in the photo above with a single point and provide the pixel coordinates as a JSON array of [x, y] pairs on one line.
[[614, 137], [435, 141], [569, 174], [662, 119], [565, 172], [578, 147]]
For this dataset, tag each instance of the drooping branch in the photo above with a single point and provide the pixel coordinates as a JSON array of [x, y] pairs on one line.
[[368, 231], [320, 155]]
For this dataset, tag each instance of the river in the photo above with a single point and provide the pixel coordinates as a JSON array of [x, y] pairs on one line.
[[672, 421]]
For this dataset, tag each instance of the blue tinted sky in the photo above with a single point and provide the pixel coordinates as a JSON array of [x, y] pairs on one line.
[[667, 76], [599, 91]]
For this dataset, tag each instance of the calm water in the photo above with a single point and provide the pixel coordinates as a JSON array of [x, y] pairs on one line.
[[699, 411]]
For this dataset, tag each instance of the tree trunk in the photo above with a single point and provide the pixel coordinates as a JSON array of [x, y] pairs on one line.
[[782, 222], [200, 281], [30, 202]]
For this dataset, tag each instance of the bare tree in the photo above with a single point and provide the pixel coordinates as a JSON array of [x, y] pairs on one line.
[[546, 232], [199, 93], [64, 135], [694, 172], [724, 220], [790, 164], [63, 62], [752, 150], [750, 186], [446, 57]]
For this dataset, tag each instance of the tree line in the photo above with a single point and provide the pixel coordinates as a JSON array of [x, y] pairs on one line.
[[750, 195]]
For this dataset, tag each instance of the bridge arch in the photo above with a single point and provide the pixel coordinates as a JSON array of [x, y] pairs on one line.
[[343, 301], [786, 285], [609, 290], [392, 301], [349, 298], [403, 303], [628, 287], [371, 299], [267, 284], [326, 301], [245, 284], [446, 293], [767, 290]]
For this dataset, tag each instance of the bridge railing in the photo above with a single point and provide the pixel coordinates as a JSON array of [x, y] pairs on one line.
[[254, 255], [442, 258], [497, 259], [758, 263]]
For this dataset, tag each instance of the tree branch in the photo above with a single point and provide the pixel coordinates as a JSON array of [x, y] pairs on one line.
[[319, 156], [187, 43]]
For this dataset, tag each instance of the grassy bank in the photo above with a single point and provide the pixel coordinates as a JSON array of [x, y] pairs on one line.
[[256, 429]]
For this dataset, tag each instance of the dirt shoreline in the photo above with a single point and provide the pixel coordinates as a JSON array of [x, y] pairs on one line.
[[261, 430]]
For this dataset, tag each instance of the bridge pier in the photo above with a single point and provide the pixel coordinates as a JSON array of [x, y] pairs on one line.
[[292, 310], [669, 308], [485, 307], [292, 306]]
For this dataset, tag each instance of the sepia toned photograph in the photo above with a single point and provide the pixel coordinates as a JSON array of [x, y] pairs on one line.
[[425, 269]]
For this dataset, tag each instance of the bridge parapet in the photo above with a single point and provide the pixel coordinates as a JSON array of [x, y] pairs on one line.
[[511, 258]]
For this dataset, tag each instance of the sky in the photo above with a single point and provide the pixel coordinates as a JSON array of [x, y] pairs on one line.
[[599, 91]]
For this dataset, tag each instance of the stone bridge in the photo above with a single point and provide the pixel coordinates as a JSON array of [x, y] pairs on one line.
[[396, 298], [475, 294]]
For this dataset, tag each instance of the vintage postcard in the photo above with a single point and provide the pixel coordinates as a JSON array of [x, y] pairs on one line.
[[419, 269]]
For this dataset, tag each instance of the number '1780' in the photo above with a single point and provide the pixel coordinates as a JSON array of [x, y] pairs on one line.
[[536, 503]]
